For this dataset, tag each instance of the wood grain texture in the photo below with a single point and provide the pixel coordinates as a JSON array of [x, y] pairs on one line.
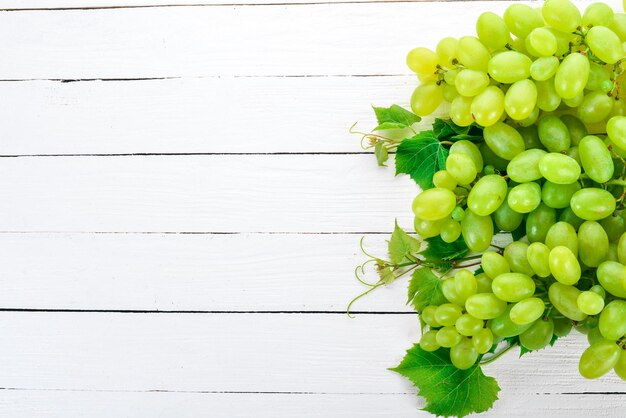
[[203, 115], [288, 193], [62, 404], [247, 353], [78, 4], [240, 272]]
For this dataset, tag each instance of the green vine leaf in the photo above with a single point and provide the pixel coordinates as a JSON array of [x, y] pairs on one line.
[[394, 117], [420, 157], [438, 249], [402, 246], [425, 289], [446, 130], [448, 391]]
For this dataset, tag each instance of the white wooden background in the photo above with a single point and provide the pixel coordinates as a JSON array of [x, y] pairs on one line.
[[182, 204]]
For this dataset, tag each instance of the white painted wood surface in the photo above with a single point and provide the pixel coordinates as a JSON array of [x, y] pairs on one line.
[[106, 218]]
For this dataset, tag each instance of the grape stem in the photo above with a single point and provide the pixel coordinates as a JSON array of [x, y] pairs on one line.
[[498, 355]]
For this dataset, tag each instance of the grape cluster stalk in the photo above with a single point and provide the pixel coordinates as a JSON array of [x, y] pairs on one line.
[[547, 87]]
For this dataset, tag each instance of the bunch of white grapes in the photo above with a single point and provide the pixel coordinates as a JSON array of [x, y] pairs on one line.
[[546, 86]]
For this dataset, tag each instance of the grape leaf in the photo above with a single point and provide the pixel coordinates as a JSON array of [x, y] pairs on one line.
[[447, 390], [402, 245], [445, 128], [420, 157], [425, 289], [394, 117], [438, 249], [381, 153], [473, 138]]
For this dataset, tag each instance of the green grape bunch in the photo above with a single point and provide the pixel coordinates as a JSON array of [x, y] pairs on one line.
[[533, 146]]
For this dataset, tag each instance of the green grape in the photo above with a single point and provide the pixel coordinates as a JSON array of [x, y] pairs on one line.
[[447, 314], [564, 265], [448, 337], [483, 283], [594, 335], [576, 128], [506, 218], [515, 255], [564, 298], [530, 136], [620, 365], [562, 327], [538, 335], [539, 222], [426, 98], [471, 82], [485, 306], [464, 354], [477, 231], [553, 134], [449, 92], [592, 204], [574, 153], [525, 197], [538, 255], [428, 342], [492, 31], [524, 167], [562, 15], [597, 14], [509, 67], [612, 322], [527, 311], [504, 327], [595, 107], [469, 148], [605, 44], [427, 229], [542, 41], [494, 264], [618, 25], [422, 61], [449, 76], [616, 129], [428, 316], [461, 167], [590, 302], [483, 340], [594, 243], [559, 168], [576, 101], [614, 227], [611, 276], [596, 159], [487, 195], [446, 51], [571, 77], [558, 196], [427, 78], [448, 288], [562, 41], [465, 283], [568, 215], [619, 109], [472, 53], [513, 287], [468, 326], [520, 99], [562, 233], [503, 140], [599, 290], [598, 359], [443, 179], [434, 204], [621, 249], [458, 214], [598, 76], [490, 158], [460, 111], [488, 106], [544, 68], [529, 121], [521, 19], [450, 231], [548, 99]]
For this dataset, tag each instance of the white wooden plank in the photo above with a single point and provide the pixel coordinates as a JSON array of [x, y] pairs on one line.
[[241, 272], [62, 404], [246, 353], [205, 115], [75, 4], [288, 193], [322, 39]]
